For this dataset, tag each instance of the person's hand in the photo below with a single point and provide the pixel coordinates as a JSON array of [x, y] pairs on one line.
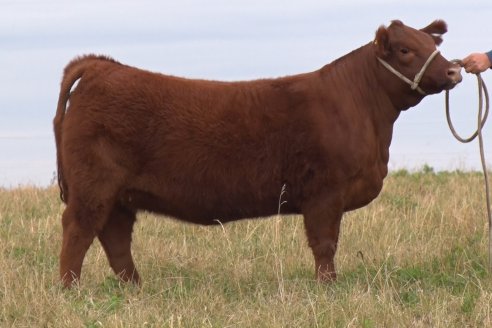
[[476, 63]]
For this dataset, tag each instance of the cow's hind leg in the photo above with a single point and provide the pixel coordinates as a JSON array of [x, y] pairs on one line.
[[116, 238], [77, 238], [93, 184]]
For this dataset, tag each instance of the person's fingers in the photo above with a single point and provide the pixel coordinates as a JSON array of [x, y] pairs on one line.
[[468, 65], [473, 69]]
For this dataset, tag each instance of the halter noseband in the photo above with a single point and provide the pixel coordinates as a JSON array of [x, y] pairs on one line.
[[415, 83]]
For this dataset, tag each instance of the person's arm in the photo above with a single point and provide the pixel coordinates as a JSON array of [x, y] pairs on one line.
[[477, 62], [489, 54]]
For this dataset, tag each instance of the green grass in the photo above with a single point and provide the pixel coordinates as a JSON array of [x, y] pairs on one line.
[[416, 257]]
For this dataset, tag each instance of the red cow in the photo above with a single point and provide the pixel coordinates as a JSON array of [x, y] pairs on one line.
[[207, 151]]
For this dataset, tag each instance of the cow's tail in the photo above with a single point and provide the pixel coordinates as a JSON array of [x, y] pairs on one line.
[[72, 73]]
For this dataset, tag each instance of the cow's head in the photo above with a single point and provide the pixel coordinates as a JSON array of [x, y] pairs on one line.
[[408, 50]]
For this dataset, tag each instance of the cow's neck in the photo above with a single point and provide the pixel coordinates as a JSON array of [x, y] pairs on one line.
[[358, 73], [361, 67]]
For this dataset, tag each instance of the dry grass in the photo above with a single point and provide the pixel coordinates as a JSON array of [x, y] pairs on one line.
[[416, 257]]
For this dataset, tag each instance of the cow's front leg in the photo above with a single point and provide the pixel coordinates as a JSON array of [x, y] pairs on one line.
[[322, 222]]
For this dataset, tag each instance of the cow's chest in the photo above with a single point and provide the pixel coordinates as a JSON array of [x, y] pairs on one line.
[[365, 187]]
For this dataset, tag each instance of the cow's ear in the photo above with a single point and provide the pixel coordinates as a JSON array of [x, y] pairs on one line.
[[436, 29], [382, 42]]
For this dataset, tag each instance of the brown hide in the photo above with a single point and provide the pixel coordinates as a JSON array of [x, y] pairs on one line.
[[207, 151]]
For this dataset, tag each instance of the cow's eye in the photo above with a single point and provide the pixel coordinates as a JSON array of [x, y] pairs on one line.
[[404, 51]]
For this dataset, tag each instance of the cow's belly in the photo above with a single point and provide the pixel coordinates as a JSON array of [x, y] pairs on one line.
[[207, 210]]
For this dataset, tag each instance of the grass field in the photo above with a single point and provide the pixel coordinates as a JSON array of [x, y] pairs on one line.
[[416, 257]]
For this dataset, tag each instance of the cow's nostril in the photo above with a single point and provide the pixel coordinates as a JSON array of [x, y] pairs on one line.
[[454, 73]]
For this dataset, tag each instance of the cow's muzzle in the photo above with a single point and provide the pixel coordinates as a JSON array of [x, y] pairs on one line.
[[454, 74]]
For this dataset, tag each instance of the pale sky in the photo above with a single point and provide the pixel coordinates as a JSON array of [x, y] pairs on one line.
[[225, 40]]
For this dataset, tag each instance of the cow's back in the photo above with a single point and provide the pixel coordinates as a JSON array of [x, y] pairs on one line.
[[194, 149]]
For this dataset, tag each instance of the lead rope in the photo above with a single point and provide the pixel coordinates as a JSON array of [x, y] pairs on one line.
[[482, 90]]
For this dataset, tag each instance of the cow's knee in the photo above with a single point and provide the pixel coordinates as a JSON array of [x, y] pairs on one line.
[[324, 258]]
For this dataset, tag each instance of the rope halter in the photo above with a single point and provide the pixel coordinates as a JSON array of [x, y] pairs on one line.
[[415, 83]]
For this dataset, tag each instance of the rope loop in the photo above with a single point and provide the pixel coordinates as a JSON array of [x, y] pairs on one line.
[[482, 91]]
